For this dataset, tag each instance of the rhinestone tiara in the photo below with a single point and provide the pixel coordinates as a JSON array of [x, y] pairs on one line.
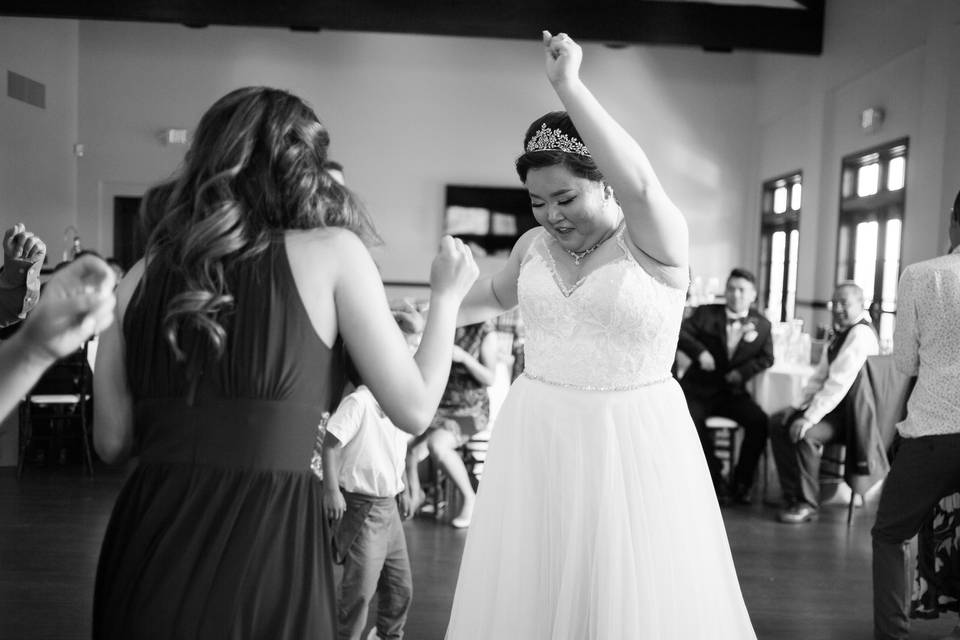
[[555, 140]]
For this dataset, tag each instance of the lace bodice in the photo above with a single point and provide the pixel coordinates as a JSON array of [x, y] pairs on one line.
[[614, 329]]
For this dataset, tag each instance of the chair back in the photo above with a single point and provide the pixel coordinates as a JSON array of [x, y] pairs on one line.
[[68, 376], [60, 397]]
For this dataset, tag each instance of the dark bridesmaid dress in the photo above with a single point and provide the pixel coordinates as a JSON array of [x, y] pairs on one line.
[[219, 532]]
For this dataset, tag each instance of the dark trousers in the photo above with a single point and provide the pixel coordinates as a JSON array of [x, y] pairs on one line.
[[923, 471], [375, 560], [798, 463], [748, 414]]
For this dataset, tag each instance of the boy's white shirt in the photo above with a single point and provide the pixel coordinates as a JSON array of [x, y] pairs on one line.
[[374, 451]]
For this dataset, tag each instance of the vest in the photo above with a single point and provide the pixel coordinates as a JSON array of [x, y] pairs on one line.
[[834, 347]]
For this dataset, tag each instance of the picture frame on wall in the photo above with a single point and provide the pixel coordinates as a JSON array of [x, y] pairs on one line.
[[489, 219]]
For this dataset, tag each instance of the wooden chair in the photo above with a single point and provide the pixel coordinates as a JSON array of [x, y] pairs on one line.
[[832, 472], [724, 432], [726, 444], [60, 400]]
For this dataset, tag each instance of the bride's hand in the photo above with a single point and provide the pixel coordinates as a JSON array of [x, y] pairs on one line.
[[563, 57]]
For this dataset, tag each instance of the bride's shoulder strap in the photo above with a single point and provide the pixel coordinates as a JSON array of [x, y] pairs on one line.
[[528, 244]]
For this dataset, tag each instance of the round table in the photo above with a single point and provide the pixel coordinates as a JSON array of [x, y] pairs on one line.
[[780, 386]]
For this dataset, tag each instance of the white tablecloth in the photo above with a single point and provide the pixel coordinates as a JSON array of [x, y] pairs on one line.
[[780, 386]]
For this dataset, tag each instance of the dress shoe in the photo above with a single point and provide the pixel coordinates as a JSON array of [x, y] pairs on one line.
[[797, 513]]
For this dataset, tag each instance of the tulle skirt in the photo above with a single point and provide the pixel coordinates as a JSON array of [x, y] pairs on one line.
[[596, 519]]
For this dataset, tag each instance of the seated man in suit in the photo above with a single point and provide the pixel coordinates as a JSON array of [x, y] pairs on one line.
[[798, 434], [728, 344]]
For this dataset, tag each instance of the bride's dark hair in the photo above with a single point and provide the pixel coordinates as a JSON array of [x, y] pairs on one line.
[[578, 165], [255, 165]]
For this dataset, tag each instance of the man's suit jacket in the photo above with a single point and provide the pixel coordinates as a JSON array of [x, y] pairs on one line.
[[706, 329], [876, 402]]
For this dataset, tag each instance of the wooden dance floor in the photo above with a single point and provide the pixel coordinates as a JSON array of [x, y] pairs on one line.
[[808, 582]]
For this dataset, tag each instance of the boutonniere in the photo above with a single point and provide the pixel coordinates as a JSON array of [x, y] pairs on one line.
[[750, 332]]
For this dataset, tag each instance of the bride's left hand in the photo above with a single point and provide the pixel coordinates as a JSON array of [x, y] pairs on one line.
[[563, 57]]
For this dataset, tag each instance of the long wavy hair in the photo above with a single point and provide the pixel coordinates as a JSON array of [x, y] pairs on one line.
[[255, 165]]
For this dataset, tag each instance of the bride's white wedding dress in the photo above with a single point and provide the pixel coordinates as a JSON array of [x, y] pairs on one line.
[[596, 517]]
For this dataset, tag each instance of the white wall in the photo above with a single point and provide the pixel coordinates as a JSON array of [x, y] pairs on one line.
[[897, 54], [410, 114], [38, 171]]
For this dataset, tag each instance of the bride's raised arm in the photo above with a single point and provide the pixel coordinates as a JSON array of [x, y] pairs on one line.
[[654, 223]]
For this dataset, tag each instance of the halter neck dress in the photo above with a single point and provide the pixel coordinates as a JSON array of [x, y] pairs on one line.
[[219, 531]]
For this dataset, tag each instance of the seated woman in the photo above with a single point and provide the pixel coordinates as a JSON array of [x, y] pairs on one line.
[[464, 410]]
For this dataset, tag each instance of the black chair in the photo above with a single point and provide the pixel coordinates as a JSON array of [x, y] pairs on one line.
[[58, 408]]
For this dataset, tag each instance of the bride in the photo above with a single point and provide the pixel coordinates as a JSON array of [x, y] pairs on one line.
[[596, 517]]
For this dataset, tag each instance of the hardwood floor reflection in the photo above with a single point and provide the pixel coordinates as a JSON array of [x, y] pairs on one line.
[[799, 582]]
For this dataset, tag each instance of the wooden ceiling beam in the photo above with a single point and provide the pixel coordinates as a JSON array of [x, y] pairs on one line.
[[715, 27]]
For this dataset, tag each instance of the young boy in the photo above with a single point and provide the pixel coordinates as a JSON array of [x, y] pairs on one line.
[[363, 462]]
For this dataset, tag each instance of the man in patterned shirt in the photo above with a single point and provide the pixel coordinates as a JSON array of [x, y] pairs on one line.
[[927, 463]]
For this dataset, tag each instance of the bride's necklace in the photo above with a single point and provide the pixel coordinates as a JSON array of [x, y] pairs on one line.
[[578, 256]]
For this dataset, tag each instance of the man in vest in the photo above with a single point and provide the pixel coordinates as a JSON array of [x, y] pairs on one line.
[[798, 434]]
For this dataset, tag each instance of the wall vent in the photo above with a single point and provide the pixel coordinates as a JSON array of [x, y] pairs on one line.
[[23, 88]]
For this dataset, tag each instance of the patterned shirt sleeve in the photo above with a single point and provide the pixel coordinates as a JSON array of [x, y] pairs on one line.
[[906, 339], [19, 290]]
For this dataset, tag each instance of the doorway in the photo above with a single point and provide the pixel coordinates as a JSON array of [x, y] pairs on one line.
[[129, 241]]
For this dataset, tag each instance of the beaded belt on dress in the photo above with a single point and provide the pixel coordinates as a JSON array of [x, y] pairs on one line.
[[588, 387]]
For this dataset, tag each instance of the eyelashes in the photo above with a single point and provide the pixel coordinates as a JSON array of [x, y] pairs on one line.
[[536, 205]]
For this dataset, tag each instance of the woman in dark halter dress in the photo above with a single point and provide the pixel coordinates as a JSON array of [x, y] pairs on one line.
[[228, 352]]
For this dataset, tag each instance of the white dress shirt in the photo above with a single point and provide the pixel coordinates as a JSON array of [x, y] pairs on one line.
[[374, 450], [831, 381], [927, 344], [735, 322]]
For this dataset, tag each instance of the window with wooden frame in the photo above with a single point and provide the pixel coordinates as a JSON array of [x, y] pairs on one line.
[[779, 241], [873, 191]]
